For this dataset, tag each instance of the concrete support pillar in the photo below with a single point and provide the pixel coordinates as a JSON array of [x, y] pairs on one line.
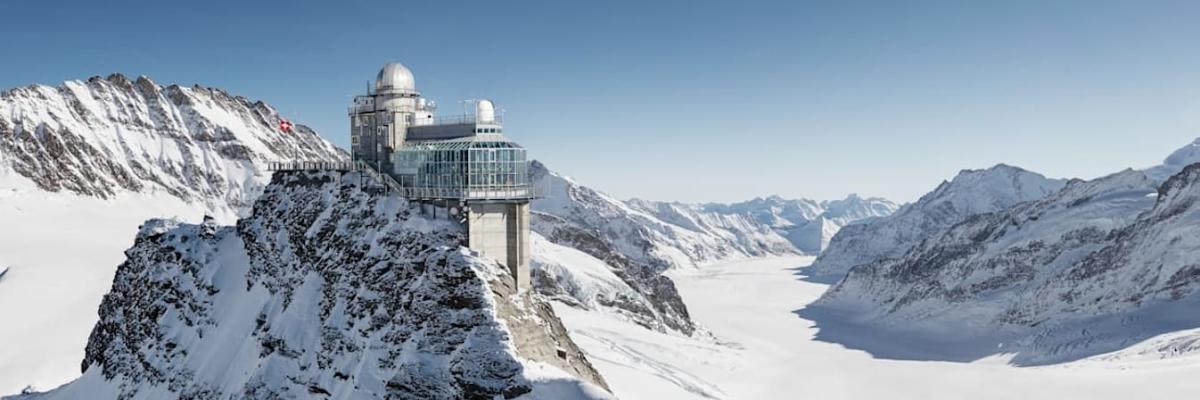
[[518, 243], [501, 231]]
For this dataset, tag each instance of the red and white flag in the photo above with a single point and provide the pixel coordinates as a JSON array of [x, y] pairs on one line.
[[285, 125]]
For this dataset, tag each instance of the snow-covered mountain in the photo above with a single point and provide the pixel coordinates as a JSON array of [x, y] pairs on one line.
[[324, 290], [1176, 161], [82, 165], [628, 247], [1093, 268], [809, 225], [106, 136], [970, 192]]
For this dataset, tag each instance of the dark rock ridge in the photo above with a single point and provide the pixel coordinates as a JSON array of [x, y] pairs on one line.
[[113, 135], [325, 290]]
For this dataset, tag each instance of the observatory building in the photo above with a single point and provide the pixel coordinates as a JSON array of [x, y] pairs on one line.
[[461, 163]]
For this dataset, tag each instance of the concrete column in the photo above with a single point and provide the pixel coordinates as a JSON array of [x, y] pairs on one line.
[[501, 231], [518, 243]]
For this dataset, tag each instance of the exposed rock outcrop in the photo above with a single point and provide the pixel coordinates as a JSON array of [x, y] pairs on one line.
[[325, 290]]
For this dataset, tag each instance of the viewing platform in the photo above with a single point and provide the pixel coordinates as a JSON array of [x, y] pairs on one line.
[[465, 192]]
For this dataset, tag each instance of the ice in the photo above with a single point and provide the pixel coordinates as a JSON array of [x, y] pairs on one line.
[[760, 349]]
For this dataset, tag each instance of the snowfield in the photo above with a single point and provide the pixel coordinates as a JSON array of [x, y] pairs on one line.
[[61, 251], [758, 348]]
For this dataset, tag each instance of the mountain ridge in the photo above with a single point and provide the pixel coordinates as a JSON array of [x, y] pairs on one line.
[[83, 164], [1090, 269], [107, 135], [970, 192]]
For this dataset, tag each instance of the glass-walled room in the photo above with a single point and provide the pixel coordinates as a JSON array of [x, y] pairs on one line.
[[468, 168]]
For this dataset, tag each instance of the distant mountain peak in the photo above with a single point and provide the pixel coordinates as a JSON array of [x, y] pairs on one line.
[[106, 136], [968, 193], [1176, 161]]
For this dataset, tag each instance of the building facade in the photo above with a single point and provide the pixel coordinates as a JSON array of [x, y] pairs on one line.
[[462, 163]]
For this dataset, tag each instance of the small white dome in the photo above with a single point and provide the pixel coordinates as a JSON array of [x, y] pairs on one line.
[[395, 77], [485, 111]]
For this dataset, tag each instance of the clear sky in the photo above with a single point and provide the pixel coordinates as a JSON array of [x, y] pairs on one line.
[[690, 100]]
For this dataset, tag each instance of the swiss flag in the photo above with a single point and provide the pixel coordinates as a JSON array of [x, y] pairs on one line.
[[285, 125]]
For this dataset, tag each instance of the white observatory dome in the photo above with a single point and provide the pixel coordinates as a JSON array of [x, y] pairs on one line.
[[485, 111], [395, 78]]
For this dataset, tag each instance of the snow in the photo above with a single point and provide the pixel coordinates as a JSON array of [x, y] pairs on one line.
[[760, 349], [585, 279], [807, 224], [551, 383], [971, 192], [61, 259], [1175, 162], [82, 166], [324, 288], [677, 235]]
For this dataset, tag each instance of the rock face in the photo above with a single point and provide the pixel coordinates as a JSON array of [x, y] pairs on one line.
[[324, 291], [637, 241], [96, 158], [971, 192], [1094, 268], [111, 135], [809, 225]]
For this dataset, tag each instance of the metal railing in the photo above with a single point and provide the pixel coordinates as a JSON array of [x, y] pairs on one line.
[[464, 119], [310, 166], [367, 108], [386, 179], [521, 192]]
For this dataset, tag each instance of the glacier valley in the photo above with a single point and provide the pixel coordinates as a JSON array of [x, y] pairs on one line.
[[147, 251]]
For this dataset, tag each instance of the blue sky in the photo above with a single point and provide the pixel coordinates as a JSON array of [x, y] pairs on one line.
[[690, 100]]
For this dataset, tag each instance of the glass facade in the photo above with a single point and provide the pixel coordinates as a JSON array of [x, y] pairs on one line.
[[477, 167]]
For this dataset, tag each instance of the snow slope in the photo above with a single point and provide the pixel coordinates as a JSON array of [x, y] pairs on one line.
[[760, 349], [1094, 268], [970, 192], [809, 225], [1176, 161], [82, 165], [638, 241], [62, 251], [323, 291]]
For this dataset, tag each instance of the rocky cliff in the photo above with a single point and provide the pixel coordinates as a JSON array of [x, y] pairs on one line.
[[324, 290], [83, 164]]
